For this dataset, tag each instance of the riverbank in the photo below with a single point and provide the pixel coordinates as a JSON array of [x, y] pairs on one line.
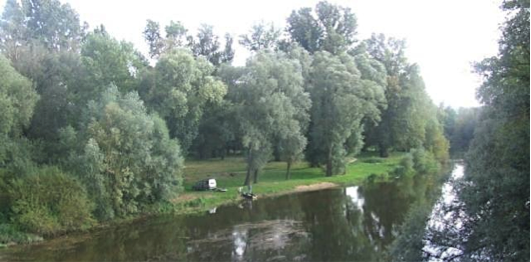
[[230, 174]]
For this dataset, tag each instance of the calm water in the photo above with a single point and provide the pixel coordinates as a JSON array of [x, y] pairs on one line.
[[343, 224]]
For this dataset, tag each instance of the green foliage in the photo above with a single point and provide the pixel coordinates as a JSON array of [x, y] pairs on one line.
[[54, 25], [107, 61], [17, 100], [271, 103], [340, 100], [496, 191], [9, 234], [332, 30], [206, 44], [49, 202], [128, 158], [423, 161], [181, 89], [261, 36], [459, 127], [410, 242]]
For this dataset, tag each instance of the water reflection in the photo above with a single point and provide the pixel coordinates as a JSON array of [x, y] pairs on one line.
[[355, 223], [444, 218], [355, 196]]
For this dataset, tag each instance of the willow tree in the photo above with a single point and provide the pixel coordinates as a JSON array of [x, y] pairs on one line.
[[271, 104], [340, 100], [332, 28]]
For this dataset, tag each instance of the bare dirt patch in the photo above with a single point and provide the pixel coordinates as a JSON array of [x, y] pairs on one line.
[[313, 187]]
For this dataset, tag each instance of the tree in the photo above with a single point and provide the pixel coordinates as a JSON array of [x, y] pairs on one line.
[[340, 101], [206, 44], [228, 52], [333, 29], [175, 35], [261, 36], [124, 155], [183, 86], [153, 38], [54, 25], [408, 106], [271, 103], [107, 61]]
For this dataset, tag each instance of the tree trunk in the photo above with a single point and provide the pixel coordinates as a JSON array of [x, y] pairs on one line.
[[384, 151], [329, 164], [288, 171], [247, 177], [256, 176]]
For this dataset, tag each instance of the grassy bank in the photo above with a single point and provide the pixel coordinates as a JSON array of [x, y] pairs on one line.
[[230, 174]]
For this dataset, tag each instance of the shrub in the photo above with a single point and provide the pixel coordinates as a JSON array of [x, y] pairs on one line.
[[423, 161], [49, 202], [9, 234]]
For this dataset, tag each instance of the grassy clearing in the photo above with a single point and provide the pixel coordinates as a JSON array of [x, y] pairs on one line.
[[230, 174]]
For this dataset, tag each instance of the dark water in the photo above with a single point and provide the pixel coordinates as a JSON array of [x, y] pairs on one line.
[[344, 224]]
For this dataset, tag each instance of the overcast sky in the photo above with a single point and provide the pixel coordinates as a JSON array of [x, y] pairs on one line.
[[444, 37]]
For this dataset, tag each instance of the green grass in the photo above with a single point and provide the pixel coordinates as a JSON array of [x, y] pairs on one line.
[[230, 174]]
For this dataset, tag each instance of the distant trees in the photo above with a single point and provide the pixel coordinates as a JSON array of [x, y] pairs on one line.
[[459, 127]]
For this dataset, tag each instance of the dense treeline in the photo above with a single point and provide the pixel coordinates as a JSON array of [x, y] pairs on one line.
[[459, 127], [496, 188], [492, 209], [91, 129]]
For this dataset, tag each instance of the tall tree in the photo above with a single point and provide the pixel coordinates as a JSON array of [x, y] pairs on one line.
[[261, 36], [54, 25], [175, 35], [332, 28], [206, 44], [340, 101], [271, 103], [404, 120], [153, 38]]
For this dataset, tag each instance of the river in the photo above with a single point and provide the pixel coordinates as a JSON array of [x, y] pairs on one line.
[[356, 223]]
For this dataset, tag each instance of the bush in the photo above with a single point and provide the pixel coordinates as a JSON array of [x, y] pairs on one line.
[[9, 234], [423, 161], [49, 202]]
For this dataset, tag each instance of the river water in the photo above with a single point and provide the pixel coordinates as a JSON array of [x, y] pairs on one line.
[[355, 223]]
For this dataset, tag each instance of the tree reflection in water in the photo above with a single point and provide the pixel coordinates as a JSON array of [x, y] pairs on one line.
[[344, 224]]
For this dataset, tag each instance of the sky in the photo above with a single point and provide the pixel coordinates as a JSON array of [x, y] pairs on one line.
[[444, 37]]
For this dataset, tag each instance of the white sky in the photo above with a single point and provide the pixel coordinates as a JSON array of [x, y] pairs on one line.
[[444, 37]]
